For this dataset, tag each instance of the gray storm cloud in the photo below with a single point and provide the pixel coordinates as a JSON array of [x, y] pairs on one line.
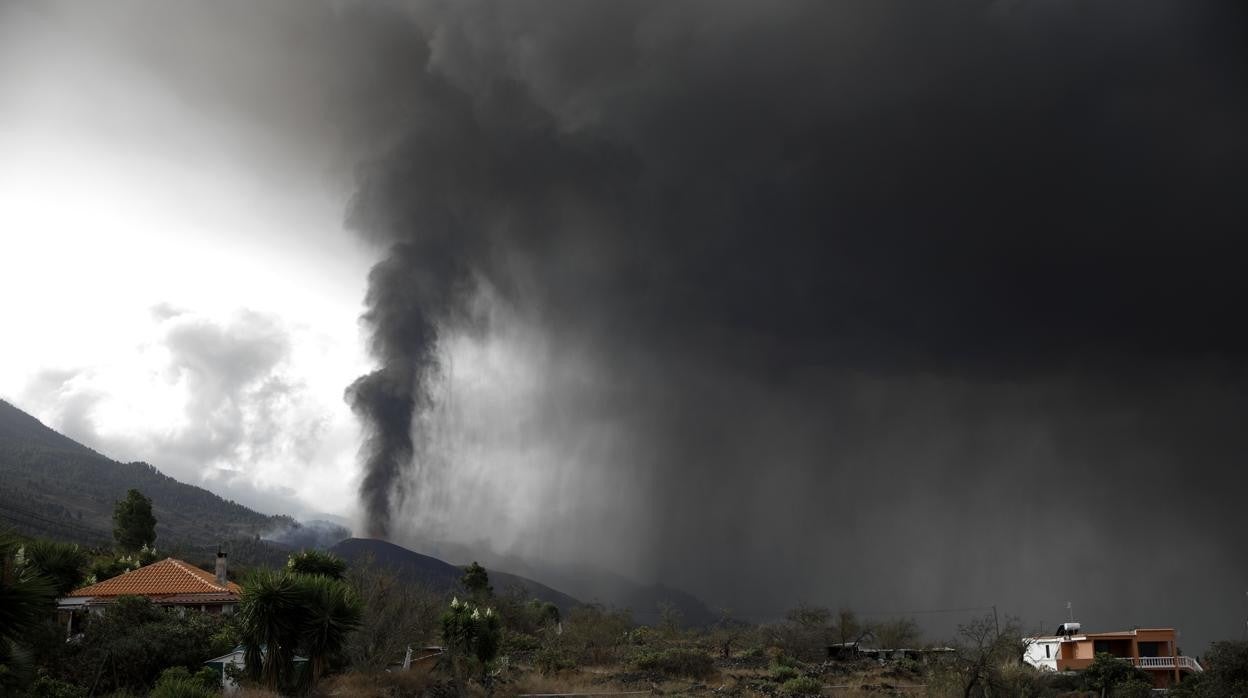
[[888, 295]]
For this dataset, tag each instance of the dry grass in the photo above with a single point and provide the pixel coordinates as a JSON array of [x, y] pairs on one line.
[[379, 685], [737, 683], [567, 682]]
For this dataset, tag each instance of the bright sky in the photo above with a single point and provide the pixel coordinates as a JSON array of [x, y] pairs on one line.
[[173, 292]]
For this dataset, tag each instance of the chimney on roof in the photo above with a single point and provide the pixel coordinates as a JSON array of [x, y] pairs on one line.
[[221, 578]]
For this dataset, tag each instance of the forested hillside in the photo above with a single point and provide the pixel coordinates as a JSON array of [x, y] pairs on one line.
[[53, 486]]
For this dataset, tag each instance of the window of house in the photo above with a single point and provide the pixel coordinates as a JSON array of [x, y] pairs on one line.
[[1047, 650]]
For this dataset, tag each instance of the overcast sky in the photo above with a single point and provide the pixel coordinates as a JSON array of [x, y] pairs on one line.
[[882, 304]]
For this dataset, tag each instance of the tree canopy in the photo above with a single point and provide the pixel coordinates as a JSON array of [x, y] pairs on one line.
[[134, 525]]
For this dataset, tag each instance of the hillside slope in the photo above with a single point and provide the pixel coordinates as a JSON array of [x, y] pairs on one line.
[[438, 575], [591, 584], [51, 485]]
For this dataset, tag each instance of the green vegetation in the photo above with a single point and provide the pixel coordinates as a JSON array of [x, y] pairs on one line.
[[1109, 675], [61, 563], [317, 563], [134, 525], [285, 613], [1226, 673], [677, 662], [395, 616], [129, 646], [53, 487], [472, 636], [781, 673], [803, 686], [353, 623], [177, 682], [477, 582], [24, 599]]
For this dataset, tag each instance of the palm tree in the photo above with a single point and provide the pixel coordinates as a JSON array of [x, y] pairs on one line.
[[332, 611], [317, 562], [271, 610], [25, 601], [63, 563]]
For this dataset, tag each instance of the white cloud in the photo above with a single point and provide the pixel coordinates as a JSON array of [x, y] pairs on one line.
[[245, 405]]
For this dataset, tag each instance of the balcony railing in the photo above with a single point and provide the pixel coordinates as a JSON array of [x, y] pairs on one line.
[[1166, 663]]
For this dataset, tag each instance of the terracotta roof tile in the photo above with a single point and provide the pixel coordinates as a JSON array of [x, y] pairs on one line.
[[164, 578]]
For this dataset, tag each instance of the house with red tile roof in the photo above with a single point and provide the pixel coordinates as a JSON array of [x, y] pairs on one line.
[[170, 583]]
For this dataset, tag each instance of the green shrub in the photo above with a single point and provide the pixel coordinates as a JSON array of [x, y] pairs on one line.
[[643, 635], [47, 687], [519, 642], [179, 677], [136, 640], [472, 636], [596, 635], [317, 563], [783, 659], [803, 686], [552, 660], [783, 674], [182, 688], [677, 662], [1133, 688]]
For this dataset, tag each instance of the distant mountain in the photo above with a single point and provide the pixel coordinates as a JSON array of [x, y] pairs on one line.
[[593, 585], [439, 575], [51, 485]]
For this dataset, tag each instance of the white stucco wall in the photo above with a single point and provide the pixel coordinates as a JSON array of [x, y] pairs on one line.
[[1042, 652]]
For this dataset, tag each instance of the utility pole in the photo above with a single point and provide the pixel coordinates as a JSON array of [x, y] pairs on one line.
[[995, 623]]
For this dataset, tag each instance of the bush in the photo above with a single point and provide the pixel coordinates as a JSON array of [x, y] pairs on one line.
[[47, 687], [784, 674], [317, 563], [178, 681], [552, 660], [677, 662], [519, 642], [133, 641], [783, 659], [1133, 688], [472, 636], [803, 686], [397, 615], [595, 635]]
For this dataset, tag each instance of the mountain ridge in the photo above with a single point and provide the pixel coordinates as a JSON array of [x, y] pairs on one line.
[[51, 485], [440, 575]]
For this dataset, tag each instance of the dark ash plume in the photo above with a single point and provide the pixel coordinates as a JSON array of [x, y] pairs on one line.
[[409, 294]]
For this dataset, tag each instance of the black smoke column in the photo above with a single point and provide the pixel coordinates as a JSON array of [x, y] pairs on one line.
[[409, 295]]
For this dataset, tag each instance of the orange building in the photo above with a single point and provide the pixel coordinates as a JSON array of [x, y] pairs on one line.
[[1155, 650], [170, 583]]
